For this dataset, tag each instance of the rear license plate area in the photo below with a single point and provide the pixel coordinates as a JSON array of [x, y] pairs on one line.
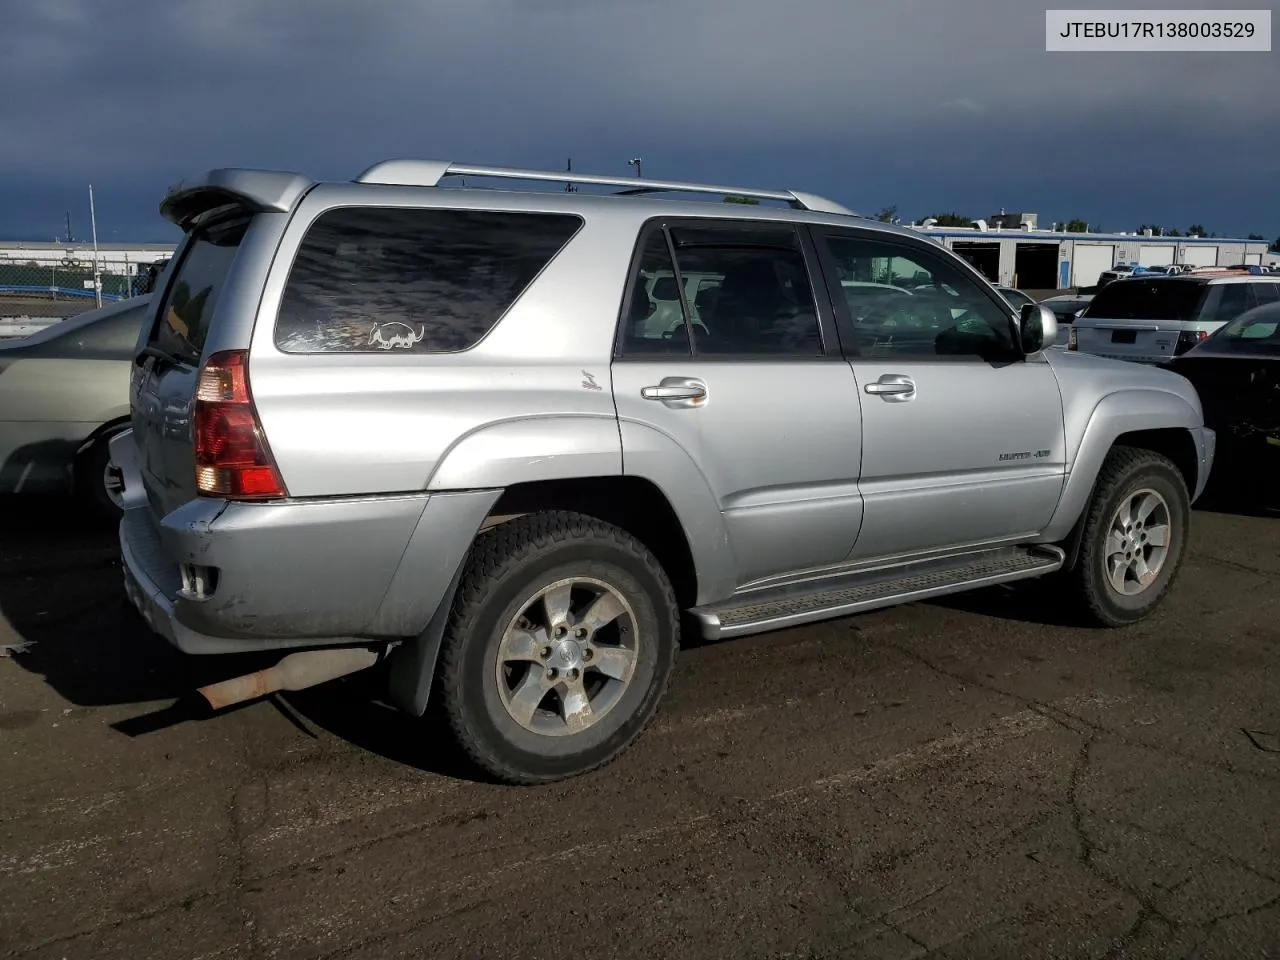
[[1124, 336]]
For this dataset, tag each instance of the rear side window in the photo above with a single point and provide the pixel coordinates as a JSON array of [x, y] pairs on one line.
[[1266, 292], [183, 322], [373, 280], [1227, 301], [1153, 299]]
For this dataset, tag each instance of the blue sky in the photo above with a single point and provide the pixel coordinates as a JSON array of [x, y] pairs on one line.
[[929, 105]]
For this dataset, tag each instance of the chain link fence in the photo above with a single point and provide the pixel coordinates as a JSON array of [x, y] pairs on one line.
[[37, 288]]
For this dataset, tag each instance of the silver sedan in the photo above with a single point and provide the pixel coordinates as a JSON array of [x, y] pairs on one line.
[[64, 392]]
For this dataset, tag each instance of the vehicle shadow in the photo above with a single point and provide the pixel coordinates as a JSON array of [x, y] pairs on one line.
[[353, 710], [64, 616], [1241, 500], [1029, 601]]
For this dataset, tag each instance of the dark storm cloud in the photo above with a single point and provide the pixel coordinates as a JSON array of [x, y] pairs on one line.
[[923, 103]]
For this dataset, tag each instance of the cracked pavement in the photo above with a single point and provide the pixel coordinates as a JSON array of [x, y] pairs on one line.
[[965, 778]]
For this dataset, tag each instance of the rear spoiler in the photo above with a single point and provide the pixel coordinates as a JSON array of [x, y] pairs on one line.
[[258, 190]]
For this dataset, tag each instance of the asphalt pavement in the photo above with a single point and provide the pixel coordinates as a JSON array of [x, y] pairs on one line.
[[969, 778]]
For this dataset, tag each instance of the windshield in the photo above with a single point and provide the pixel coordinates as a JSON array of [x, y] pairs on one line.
[[1256, 330], [1149, 299]]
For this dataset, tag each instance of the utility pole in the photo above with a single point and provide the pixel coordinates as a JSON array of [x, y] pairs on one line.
[[70, 239], [638, 164], [568, 167], [97, 275]]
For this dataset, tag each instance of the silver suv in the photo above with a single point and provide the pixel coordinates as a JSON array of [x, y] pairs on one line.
[[519, 442], [1152, 319]]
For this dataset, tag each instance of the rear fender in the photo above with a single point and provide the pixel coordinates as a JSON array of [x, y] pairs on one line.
[[1124, 411], [508, 452]]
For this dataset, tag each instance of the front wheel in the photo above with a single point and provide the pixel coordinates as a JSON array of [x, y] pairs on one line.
[[98, 483], [562, 638], [1134, 537]]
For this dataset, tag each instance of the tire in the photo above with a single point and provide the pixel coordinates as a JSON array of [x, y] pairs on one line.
[[1128, 474], [91, 479], [487, 686]]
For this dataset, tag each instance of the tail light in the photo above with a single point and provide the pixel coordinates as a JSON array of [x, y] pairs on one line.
[[1188, 339], [232, 459]]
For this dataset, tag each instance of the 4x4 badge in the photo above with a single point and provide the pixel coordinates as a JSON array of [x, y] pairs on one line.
[[402, 335]]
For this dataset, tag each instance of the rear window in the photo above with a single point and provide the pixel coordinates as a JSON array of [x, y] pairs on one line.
[[419, 281], [1152, 299], [183, 322]]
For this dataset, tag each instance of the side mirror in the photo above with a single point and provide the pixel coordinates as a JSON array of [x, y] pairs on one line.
[[1037, 328]]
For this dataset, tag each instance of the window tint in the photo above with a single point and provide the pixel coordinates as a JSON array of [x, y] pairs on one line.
[[420, 281], [1228, 301], [746, 286], [905, 302], [184, 318], [1266, 292], [653, 323], [1154, 299], [1257, 330]]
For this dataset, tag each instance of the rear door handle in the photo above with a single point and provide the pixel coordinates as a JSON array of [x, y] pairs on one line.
[[677, 391], [892, 387]]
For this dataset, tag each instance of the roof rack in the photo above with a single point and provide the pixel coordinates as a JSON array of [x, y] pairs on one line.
[[429, 173]]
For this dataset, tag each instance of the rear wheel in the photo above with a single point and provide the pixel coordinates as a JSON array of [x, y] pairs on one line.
[[562, 638], [1134, 537]]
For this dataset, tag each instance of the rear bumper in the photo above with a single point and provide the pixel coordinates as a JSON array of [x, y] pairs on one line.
[[222, 577]]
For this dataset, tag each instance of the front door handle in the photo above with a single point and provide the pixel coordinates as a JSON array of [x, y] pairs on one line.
[[893, 387], [677, 392]]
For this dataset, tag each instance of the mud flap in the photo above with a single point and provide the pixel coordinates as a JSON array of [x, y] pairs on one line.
[[412, 664]]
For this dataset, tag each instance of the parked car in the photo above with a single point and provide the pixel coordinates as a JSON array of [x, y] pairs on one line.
[[1067, 307], [64, 393], [1236, 371], [380, 419], [1151, 319], [1119, 272]]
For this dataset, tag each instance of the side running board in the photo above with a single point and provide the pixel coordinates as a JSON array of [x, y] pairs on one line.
[[776, 608]]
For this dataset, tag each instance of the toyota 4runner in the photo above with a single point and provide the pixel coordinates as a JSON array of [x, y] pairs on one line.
[[516, 442]]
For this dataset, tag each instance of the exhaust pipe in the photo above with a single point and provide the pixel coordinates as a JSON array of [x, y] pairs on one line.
[[295, 672]]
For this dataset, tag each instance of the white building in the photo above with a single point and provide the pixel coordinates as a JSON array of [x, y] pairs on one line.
[[1033, 259], [113, 258]]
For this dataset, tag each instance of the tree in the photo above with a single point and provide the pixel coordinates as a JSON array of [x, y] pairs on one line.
[[749, 201], [1254, 236], [1175, 232], [1076, 226], [952, 220], [1155, 228], [1197, 230], [1276, 245], [887, 215]]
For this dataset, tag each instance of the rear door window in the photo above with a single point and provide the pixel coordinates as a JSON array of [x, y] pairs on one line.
[[372, 280], [746, 292], [192, 297]]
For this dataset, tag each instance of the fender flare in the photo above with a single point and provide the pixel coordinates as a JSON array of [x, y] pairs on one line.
[[506, 452], [1117, 413]]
